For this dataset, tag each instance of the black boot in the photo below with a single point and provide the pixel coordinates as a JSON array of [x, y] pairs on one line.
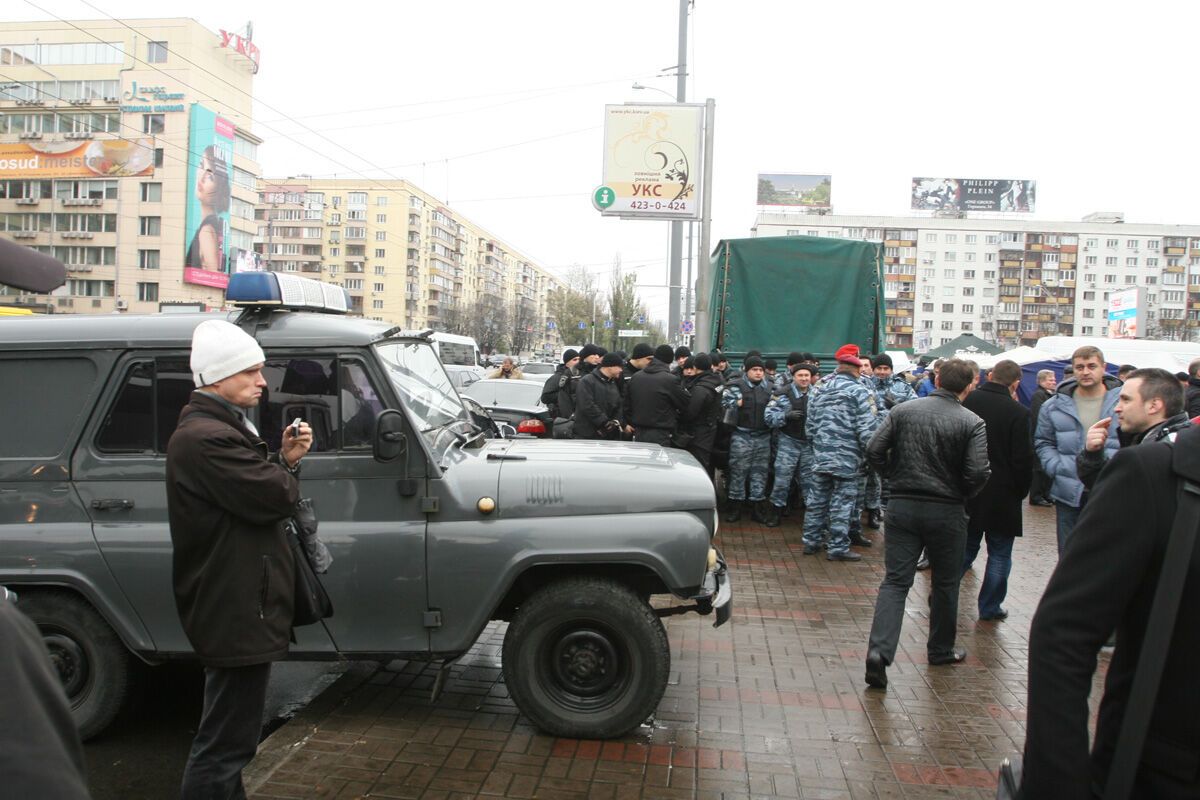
[[758, 513], [772, 514], [874, 518], [858, 540], [733, 512]]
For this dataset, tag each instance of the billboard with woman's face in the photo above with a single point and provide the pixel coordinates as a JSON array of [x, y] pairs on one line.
[[210, 181]]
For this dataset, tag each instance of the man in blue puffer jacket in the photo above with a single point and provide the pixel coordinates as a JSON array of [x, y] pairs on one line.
[[1062, 426]]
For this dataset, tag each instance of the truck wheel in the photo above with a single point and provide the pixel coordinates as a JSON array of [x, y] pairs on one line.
[[586, 658], [91, 660]]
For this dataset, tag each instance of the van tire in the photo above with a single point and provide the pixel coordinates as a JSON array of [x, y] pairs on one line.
[[93, 663], [586, 658]]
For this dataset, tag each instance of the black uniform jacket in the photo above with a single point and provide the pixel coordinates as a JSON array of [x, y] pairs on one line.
[[997, 509]]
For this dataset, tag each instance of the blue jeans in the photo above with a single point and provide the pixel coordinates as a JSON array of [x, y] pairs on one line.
[[994, 588], [1067, 517]]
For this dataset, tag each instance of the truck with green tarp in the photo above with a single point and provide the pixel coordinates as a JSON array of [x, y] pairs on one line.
[[784, 293]]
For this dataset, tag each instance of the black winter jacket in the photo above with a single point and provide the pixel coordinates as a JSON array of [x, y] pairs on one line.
[[558, 393], [1105, 581], [1040, 396], [703, 412], [597, 400], [227, 501], [931, 449], [654, 398]]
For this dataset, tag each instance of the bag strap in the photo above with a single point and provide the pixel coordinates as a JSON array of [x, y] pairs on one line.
[[1177, 560]]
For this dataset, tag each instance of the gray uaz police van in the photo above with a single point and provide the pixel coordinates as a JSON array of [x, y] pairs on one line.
[[434, 529]]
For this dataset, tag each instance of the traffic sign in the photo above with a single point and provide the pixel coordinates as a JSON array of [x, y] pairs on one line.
[[686, 326], [603, 197], [632, 334], [641, 319], [549, 326], [582, 326], [608, 323]]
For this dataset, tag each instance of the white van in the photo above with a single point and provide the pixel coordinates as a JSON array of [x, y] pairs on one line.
[[460, 356]]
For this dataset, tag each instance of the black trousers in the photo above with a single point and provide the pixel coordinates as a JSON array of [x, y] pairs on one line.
[[941, 530], [653, 435], [1040, 488], [227, 737]]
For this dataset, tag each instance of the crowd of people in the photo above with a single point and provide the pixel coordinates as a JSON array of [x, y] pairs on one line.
[[955, 455]]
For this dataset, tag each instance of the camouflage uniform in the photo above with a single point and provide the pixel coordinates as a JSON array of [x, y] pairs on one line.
[[794, 452], [750, 444], [888, 392], [840, 423]]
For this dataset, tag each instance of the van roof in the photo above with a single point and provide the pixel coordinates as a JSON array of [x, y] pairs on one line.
[[105, 331]]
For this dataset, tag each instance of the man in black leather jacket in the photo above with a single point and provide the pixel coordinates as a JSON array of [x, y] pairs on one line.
[[933, 452]]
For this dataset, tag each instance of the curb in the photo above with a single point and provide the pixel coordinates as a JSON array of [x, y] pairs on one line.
[[280, 746]]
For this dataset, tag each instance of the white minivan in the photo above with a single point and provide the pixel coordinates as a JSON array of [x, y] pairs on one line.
[[460, 356]]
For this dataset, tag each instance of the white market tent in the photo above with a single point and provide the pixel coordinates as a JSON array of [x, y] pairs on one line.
[[900, 361], [1171, 356], [1022, 355]]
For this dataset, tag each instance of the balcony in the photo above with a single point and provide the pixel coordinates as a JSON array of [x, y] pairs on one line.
[[82, 201], [24, 234]]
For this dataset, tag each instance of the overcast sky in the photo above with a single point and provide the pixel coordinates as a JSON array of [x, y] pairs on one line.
[[496, 107]]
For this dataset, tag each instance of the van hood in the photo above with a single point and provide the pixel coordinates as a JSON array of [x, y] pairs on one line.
[[578, 477]]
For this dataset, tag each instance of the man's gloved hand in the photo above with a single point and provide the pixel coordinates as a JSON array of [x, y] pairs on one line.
[[612, 425], [795, 415]]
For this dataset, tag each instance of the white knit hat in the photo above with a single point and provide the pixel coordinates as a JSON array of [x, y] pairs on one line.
[[221, 349]]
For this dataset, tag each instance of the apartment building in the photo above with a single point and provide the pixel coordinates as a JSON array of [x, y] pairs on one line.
[[406, 258], [103, 127], [1011, 280]]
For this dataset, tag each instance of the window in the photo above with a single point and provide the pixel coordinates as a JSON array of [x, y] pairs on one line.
[[150, 226], [147, 408], [1130, 280], [156, 52], [949, 274], [968, 256], [378, 287], [1152, 244], [1087, 330], [1132, 244], [1089, 295], [1110, 261], [336, 202], [968, 274], [154, 123], [947, 326], [148, 259], [968, 309], [948, 291], [989, 257], [966, 326], [381, 236], [1090, 243], [377, 304], [1089, 277], [357, 198], [989, 274], [951, 238], [158, 156], [335, 397], [950, 255], [380, 252], [971, 238], [1110, 279], [381, 200], [989, 291], [353, 283], [931, 237], [927, 308], [381, 219], [1112, 243], [968, 291], [148, 292], [929, 274], [380, 269], [1151, 280], [991, 238], [1089, 313], [947, 308], [152, 192], [1151, 262], [1089, 261]]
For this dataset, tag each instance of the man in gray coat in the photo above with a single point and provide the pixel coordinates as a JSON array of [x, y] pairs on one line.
[[933, 452]]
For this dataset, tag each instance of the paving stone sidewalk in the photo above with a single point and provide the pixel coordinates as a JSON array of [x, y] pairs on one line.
[[772, 705]]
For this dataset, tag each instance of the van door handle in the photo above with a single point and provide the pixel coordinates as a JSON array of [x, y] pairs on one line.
[[112, 504]]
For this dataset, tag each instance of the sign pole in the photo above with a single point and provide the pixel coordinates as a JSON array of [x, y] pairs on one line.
[[675, 278], [704, 275]]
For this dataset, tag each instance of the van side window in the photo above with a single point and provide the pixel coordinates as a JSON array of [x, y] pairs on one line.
[[334, 396], [147, 408], [29, 431]]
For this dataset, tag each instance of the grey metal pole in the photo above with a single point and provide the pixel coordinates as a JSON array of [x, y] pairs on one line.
[[676, 272], [704, 263], [689, 309]]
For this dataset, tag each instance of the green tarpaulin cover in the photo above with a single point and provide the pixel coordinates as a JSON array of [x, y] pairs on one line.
[[783, 293]]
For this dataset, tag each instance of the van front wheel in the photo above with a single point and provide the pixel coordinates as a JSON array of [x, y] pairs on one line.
[[92, 662], [586, 658]]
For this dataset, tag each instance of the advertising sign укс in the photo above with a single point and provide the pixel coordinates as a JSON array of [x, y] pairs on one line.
[[210, 181], [653, 155]]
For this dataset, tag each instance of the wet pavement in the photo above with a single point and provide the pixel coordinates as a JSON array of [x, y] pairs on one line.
[[772, 705]]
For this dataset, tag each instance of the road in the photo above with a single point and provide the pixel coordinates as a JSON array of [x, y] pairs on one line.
[[143, 753]]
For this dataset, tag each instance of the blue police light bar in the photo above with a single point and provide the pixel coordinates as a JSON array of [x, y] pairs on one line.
[[286, 291]]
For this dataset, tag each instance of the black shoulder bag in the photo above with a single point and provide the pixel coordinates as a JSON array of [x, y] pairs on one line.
[[1177, 560], [312, 603]]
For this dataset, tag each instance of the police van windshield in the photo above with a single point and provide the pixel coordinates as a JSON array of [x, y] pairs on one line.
[[423, 386]]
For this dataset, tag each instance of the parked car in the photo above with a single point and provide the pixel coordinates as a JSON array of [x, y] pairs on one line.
[[538, 370], [435, 529], [462, 377], [516, 402]]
